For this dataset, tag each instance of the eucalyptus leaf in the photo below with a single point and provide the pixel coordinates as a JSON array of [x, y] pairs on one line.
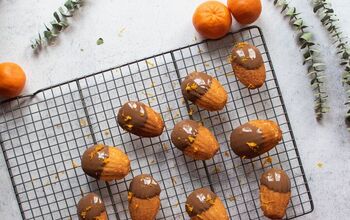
[[317, 7], [307, 36], [57, 17], [99, 41], [57, 25]]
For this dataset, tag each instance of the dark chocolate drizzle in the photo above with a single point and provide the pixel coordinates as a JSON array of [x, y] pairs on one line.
[[247, 56], [132, 116], [144, 187], [184, 133], [94, 159], [246, 140], [199, 201], [195, 85], [90, 207], [276, 180]]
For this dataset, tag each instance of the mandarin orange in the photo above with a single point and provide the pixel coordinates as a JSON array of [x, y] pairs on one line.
[[12, 80], [212, 19], [245, 11]]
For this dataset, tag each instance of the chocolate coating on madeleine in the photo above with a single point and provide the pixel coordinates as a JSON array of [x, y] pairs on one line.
[[144, 187], [199, 201], [132, 116], [184, 133], [246, 140], [94, 159], [276, 180], [247, 56], [90, 207], [195, 85]]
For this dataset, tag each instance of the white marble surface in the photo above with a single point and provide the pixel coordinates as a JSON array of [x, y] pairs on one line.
[[136, 29]]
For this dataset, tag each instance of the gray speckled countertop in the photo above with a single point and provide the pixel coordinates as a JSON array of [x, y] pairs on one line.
[[136, 29]]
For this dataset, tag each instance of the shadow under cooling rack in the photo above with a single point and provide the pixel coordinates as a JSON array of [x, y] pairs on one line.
[[44, 135]]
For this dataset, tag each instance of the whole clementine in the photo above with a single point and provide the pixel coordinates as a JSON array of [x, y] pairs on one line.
[[12, 80], [212, 19], [245, 11]]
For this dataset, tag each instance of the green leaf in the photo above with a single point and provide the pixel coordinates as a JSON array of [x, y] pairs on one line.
[[284, 7], [69, 5], [64, 13], [57, 17], [57, 26], [307, 36], [291, 11], [317, 7], [325, 18], [329, 10], [307, 54], [48, 35], [298, 23], [64, 24], [48, 29], [99, 41]]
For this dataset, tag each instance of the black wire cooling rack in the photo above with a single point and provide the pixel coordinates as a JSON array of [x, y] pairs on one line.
[[44, 135]]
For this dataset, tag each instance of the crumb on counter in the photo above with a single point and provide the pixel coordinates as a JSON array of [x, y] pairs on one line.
[[227, 153], [231, 198], [217, 169], [173, 179], [150, 64], [320, 164], [74, 164], [106, 132], [83, 122], [267, 161]]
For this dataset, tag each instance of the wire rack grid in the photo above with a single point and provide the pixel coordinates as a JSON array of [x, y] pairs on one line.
[[44, 135]]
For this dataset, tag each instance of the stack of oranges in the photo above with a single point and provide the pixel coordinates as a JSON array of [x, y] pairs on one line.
[[213, 20]]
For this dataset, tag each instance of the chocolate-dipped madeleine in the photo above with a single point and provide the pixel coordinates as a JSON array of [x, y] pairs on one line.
[[275, 192], [248, 65], [203, 204], [140, 119], [143, 196], [105, 163], [195, 140], [204, 90], [255, 138], [91, 207]]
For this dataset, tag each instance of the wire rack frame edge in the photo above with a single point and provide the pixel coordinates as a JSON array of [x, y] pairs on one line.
[[220, 174]]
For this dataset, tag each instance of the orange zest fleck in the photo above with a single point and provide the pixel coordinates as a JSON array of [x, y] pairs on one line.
[[241, 44], [127, 118], [189, 208], [191, 139], [130, 195], [267, 160], [252, 145], [129, 126], [98, 148]]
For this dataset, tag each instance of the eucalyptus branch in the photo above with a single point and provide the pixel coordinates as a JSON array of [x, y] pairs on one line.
[[311, 57], [57, 25], [331, 22]]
